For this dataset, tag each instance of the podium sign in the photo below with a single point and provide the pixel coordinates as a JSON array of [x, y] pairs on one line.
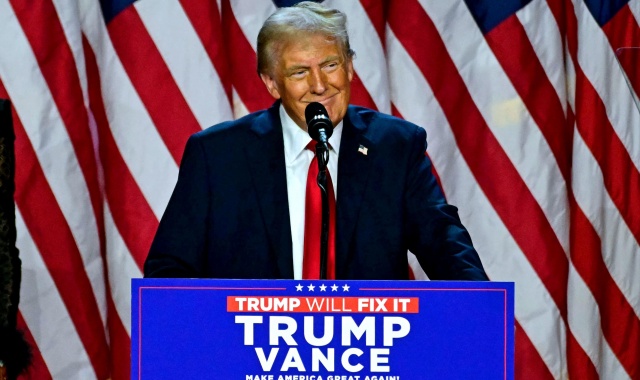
[[321, 330]]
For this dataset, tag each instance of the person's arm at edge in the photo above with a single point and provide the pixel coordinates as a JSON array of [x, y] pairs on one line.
[[435, 233], [178, 247]]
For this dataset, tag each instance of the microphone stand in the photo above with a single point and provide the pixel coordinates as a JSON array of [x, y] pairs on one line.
[[322, 154]]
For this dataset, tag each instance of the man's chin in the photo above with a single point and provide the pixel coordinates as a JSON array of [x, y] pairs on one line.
[[336, 116], [330, 102]]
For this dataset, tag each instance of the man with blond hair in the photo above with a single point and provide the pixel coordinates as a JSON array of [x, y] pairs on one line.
[[239, 207]]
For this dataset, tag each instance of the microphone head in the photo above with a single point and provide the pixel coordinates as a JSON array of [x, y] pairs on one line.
[[317, 118]]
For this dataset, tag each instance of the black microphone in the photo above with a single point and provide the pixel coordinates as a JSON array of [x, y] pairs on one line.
[[319, 125], [320, 129]]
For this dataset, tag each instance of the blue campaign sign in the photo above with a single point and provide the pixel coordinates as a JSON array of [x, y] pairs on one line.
[[321, 330]]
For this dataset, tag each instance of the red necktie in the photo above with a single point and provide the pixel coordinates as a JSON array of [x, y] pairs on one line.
[[313, 224]]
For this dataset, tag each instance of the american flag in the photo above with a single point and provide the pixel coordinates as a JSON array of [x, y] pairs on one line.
[[531, 122]]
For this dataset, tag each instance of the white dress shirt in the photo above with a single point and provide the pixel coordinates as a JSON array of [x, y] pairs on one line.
[[297, 160]]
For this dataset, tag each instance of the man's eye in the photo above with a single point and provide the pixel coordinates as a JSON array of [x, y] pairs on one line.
[[298, 74], [331, 66]]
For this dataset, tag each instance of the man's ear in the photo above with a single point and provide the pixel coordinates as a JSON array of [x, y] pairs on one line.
[[350, 69], [271, 85]]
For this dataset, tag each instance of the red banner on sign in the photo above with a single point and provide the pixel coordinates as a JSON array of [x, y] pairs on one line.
[[323, 304]]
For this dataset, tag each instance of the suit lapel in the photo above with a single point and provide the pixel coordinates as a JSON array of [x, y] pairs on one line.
[[265, 155], [354, 166]]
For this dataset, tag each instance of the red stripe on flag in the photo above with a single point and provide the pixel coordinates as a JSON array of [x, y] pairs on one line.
[[579, 364], [131, 213], [559, 11], [57, 64], [360, 95], [623, 31], [205, 18], [527, 362], [620, 325], [395, 112], [120, 345], [621, 178], [376, 11], [510, 44], [629, 60], [244, 64], [38, 368], [482, 152], [58, 249], [617, 315], [153, 81]]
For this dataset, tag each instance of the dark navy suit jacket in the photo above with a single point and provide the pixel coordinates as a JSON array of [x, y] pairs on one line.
[[228, 216]]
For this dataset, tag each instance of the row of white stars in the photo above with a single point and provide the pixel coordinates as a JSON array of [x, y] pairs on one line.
[[323, 287]]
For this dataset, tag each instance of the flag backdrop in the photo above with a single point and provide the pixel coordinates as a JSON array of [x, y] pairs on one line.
[[531, 125]]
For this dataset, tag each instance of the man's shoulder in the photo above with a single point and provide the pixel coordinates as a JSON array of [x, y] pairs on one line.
[[233, 128], [379, 122]]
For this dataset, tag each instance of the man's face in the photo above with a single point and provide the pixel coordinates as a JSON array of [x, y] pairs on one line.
[[311, 69]]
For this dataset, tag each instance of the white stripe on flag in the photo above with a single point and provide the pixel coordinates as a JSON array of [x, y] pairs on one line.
[[136, 136], [406, 72], [619, 247], [634, 6], [584, 318], [599, 64], [542, 30], [504, 112], [122, 269], [46, 315], [250, 15], [502, 258], [571, 84], [48, 135], [175, 37], [370, 62], [68, 14], [239, 109]]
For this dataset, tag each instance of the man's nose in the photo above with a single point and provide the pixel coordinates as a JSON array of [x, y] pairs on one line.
[[317, 82]]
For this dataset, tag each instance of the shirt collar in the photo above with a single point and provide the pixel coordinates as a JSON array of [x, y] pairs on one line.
[[296, 140]]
